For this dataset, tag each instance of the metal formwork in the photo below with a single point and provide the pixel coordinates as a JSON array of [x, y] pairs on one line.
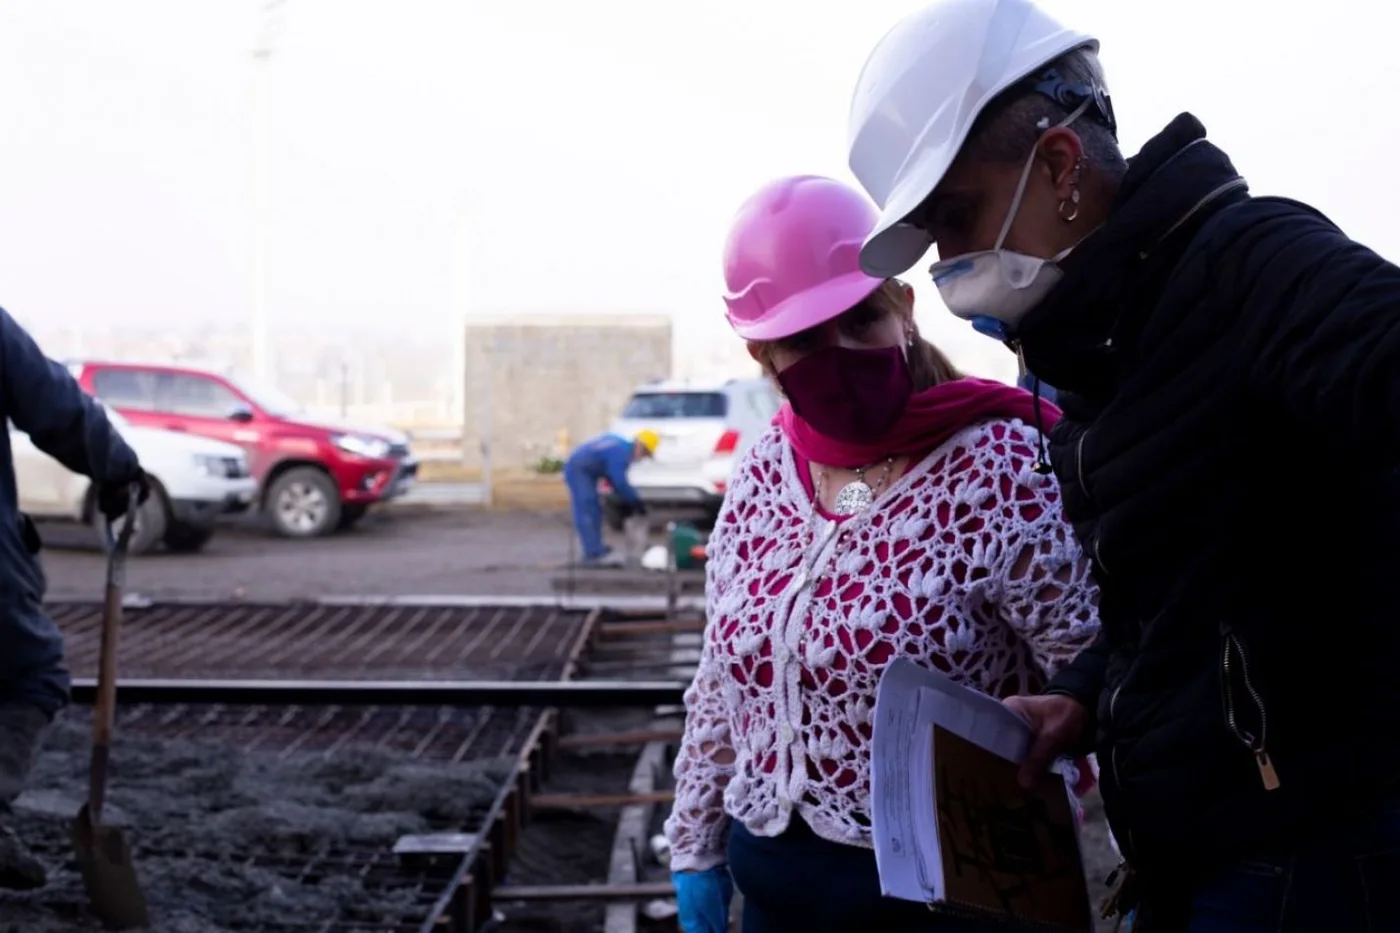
[[436, 683]]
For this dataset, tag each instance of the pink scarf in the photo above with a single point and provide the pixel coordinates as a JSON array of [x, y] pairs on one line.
[[933, 416]]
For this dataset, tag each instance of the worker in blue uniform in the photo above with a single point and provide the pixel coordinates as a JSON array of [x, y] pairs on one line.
[[607, 457], [40, 398]]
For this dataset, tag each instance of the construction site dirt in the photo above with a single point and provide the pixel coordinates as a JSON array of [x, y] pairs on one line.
[[298, 810], [225, 840], [228, 841]]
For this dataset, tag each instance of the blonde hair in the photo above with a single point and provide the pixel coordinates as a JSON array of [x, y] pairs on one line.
[[928, 366]]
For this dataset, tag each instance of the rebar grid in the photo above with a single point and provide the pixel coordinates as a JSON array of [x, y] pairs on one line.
[[261, 640], [400, 642], [438, 734], [414, 888]]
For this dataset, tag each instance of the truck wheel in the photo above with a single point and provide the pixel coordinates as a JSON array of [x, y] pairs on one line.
[[187, 539], [303, 503], [350, 514], [151, 517]]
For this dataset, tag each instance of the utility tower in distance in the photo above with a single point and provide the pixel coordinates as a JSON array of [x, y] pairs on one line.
[[269, 28]]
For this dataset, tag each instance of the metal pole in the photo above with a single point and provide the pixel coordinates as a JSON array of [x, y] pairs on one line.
[[262, 56], [673, 586], [487, 421], [461, 308]]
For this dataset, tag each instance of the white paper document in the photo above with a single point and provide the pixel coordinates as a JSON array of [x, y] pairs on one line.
[[909, 701], [995, 843]]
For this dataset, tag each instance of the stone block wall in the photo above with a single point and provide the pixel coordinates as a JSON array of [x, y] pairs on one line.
[[534, 381]]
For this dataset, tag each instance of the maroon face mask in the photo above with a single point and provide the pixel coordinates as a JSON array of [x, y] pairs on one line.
[[853, 396]]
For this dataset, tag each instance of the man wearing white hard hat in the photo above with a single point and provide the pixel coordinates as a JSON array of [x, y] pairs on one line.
[[1229, 370]]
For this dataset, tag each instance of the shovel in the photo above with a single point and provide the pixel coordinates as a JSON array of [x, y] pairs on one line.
[[103, 857]]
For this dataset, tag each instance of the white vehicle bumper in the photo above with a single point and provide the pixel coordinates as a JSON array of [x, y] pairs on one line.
[[205, 500]]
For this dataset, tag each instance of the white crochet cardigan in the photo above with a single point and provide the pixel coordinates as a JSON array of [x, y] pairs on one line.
[[964, 564]]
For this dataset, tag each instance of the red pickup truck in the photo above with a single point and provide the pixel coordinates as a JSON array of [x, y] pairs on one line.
[[314, 477]]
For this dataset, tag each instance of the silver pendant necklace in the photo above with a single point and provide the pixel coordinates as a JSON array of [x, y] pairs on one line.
[[806, 574], [857, 495]]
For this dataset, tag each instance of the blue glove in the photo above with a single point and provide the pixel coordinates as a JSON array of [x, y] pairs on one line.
[[703, 899]]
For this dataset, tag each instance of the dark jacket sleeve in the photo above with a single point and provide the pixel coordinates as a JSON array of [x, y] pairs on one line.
[[1320, 316], [46, 402], [1082, 679]]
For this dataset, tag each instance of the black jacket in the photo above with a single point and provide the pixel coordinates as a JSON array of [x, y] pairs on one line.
[[39, 397], [1229, 369]]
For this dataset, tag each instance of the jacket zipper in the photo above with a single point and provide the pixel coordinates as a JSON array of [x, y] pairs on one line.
[[1256, 744], [1084, 487], [1127, 844], [1196, 208], [1079, 463]]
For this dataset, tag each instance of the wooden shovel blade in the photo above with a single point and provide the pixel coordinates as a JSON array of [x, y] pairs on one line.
[[109, 875]]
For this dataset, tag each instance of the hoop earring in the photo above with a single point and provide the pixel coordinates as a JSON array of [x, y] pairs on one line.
[[1072, 214], [1069, 208]]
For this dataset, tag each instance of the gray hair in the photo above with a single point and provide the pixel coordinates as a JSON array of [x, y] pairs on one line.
[[1007, 130]]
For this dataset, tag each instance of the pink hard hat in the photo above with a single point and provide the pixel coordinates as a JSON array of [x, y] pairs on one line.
[[792, 260]]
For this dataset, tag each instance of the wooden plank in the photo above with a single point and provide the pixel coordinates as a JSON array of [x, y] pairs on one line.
[[636, 737], [633, 825], [430, 844], [610, 584], [585, 892], [585, 801], [613, 629]]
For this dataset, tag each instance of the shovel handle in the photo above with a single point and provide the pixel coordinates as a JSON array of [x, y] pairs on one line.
[[105, 711], [119, 540]]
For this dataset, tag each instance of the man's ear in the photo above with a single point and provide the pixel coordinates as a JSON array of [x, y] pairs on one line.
[[1063, 152]]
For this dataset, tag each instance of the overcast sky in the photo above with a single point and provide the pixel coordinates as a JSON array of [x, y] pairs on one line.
[[591, 154]]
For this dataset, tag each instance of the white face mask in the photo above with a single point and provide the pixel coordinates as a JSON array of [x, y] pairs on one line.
[[996, 288]]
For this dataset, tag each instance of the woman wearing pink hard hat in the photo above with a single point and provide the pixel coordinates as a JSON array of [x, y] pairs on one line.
[[894, 509]]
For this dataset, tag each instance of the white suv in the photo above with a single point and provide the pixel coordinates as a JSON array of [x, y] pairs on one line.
[[704, 428], [195, 480]]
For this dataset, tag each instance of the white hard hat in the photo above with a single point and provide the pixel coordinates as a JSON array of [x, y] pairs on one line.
[[918, 96]]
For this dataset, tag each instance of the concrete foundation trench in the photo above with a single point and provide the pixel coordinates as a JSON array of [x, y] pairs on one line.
[[395, 766]]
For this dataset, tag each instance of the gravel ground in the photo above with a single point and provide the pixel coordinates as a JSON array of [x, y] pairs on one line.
[[223, 840], [1099, 857]]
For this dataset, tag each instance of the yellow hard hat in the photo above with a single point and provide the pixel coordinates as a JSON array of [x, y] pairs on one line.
[[648, 439]]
